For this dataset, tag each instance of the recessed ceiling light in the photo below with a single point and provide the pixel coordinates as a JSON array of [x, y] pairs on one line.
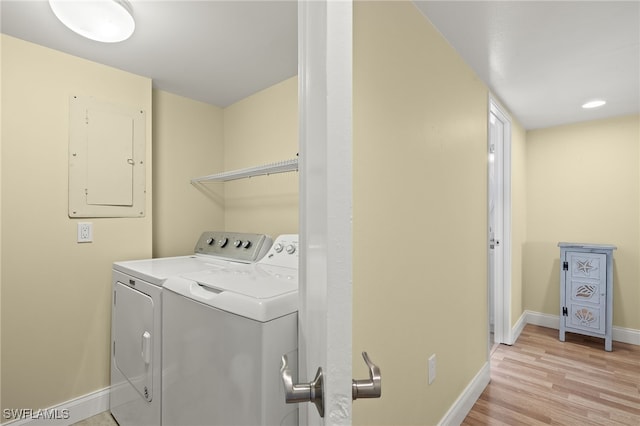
[[108, 21], [594, 104]]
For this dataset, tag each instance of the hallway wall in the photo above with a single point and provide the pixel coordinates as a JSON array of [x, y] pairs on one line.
[[419, 214], [583, 183]]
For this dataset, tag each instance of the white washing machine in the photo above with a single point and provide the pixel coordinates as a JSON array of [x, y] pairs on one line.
[[135, 392], [224, 333]]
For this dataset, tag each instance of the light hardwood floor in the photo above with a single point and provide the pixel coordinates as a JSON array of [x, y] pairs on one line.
[[542, 381]]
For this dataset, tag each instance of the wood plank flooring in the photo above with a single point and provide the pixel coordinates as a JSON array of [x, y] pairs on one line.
[[542, 381]]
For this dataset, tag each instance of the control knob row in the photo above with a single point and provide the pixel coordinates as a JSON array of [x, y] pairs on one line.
[[223, 242], [290, 248], [243, 244]]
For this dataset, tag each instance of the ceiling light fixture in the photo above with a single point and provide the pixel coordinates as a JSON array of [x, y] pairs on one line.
[[594, 104], [108, 21]]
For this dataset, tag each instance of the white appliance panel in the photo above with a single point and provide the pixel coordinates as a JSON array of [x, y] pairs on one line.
[[222, 369], [134, 334], [134, 312]]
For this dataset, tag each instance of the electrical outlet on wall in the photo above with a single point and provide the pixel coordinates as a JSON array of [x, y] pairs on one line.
[[432, 368], [85, 232]]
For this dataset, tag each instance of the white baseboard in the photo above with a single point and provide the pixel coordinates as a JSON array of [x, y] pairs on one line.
[[619, 334], [626, 335], [517, 328], [544, 320], [467, 398], [64, 414]]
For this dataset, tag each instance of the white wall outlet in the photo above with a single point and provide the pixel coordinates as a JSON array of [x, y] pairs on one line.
[[432, 368], [85, 232]]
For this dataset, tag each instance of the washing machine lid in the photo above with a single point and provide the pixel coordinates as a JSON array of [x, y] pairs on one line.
[[255, 292], [156, 271], [255, 281]]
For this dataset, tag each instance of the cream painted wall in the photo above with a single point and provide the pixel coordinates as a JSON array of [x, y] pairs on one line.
[[56, 294], [518, 215], [261, 129], [583, 184], [420, 214], [187, 143]]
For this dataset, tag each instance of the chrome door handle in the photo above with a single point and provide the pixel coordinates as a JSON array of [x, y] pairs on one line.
[[368, 388], [303, 392]]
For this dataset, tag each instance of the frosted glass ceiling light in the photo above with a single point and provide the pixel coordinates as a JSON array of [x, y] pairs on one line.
[[108, 21], [594, 104]]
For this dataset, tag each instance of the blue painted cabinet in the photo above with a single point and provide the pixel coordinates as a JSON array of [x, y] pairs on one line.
[[586, 290]]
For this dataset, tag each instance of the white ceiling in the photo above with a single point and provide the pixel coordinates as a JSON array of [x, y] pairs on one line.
[[217, 52], [542, 59]]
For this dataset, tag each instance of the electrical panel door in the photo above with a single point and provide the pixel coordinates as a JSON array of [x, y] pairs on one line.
[[107, 167]]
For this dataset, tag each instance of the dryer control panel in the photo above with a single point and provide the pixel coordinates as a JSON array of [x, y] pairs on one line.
[[236, 246]]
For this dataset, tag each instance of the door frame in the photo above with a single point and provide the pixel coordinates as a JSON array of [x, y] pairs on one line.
[[325, 164], [502, 295]]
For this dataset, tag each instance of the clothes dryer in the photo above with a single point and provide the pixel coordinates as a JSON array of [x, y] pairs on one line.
[[224, 332], [135, 392]]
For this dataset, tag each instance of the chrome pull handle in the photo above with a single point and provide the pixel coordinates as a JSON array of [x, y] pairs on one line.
[[368, 388], [303, 392]]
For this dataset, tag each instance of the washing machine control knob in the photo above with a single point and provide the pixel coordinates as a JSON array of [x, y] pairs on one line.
[[246, 244], [210, 241], [223, 241], [291, 249], [278, 248], [237, 243]]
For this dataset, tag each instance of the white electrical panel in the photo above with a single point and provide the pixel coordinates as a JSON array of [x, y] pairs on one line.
[[106, 159]]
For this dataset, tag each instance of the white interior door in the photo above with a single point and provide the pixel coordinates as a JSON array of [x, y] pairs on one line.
[[499, 225], [495, 202], [325, 73]]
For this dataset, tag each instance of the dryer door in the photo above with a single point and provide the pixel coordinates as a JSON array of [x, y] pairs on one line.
[[133, 334]]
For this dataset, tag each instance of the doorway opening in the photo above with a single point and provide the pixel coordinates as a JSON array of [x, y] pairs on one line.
[[499, 225]]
